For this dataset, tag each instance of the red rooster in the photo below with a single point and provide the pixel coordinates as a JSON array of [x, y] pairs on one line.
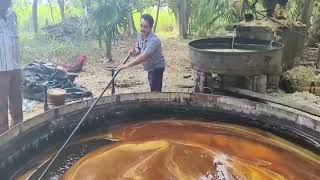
[[81, 60]]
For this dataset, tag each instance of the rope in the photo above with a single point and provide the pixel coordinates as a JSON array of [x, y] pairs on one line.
[[82, 120]]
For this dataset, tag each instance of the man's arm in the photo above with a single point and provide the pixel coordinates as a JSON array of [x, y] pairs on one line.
[[151, 48], [138, 60]]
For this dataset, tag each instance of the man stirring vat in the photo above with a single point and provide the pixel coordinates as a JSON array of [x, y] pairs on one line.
[[10, 74], [149, 53]]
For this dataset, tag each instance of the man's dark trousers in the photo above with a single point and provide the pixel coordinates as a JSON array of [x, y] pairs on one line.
[[155, 78]]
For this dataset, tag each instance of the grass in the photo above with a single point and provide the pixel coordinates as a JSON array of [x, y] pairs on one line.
[[24, 14], [40, 48]]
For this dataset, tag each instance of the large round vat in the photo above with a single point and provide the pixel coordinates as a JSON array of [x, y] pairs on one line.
[[43, 134], [249, 57]]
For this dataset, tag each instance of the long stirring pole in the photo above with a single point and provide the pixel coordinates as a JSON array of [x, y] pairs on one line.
[[82, 120]]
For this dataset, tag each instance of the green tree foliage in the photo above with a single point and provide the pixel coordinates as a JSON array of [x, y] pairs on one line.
[[109, 18], [298, 10], [182, 13], [245, 6], [209, 15], [140, 5], [294, 9]]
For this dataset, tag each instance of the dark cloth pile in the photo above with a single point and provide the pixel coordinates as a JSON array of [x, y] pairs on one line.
[[38, 75]]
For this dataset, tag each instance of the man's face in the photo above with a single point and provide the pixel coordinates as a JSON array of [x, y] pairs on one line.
[[4, 5], [145, 27]]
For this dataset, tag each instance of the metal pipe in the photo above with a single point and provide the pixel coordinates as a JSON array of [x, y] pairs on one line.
[[82, 120], [46, 106], [113, 89]]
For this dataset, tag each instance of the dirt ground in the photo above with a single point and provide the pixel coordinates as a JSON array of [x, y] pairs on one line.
[[308, 59], [178, 76], [134, 79]]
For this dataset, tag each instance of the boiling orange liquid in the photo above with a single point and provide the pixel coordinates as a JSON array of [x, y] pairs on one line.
[[194, 150]]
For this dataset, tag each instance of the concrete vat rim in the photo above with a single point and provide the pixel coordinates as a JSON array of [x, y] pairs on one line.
[[212, 101], [279, 46], [306, 126]]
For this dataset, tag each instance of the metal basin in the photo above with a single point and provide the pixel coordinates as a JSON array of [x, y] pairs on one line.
[[249, 57], [21, 144]]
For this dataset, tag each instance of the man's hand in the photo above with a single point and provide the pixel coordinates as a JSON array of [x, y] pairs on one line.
[[138, 60], [135, 51], [122, 67]]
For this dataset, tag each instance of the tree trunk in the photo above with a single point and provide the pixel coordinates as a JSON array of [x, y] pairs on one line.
[[100, 36], [182, 19], [307, 11], [109, 51], [187, 16], [157, 17], [182, 12], [61, 6], [318, 58], [141, 8], [108, 42], [35, 16], [176, 17], [314, 35], [132, 27], [51, 11]]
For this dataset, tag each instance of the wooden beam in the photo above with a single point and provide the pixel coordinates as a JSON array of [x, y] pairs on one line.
[[267, 98]]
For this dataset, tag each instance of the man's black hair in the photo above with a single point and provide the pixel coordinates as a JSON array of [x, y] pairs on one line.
[[148, 18]]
